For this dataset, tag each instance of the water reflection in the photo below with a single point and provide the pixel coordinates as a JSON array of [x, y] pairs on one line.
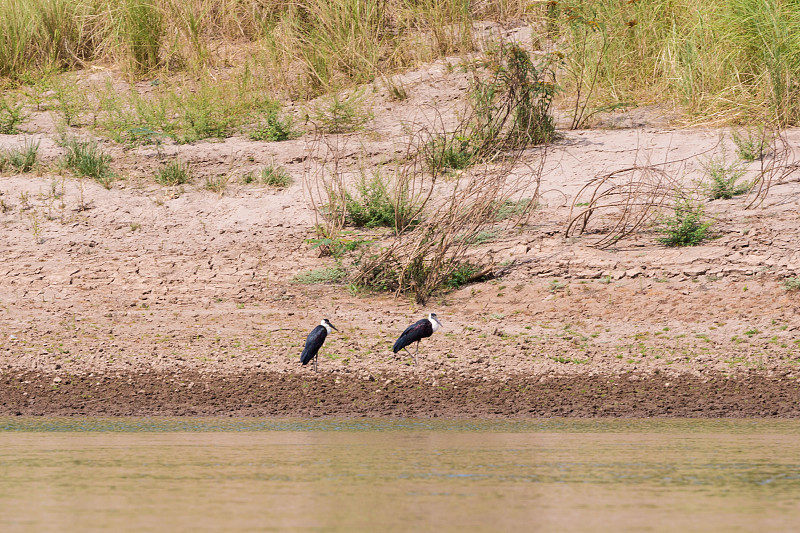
[[398, 475]]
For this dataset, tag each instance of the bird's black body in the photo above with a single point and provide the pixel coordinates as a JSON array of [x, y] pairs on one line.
[[415, 332], [314, 342]]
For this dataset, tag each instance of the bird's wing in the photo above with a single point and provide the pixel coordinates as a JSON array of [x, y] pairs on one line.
[[314, 342], [414, 332]]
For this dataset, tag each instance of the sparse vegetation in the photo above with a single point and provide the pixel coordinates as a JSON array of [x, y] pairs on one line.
[[275, 176], [276, 128], [724, 180], [12, 114], [337, 114], [791, 284], [217, 183], [752, 143], [173, 173], [20, 159], [88, 159], [320, 275], [686, 226]]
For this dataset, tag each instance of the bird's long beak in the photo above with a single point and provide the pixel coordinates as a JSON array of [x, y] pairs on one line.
[[332, 326], [438, 322]]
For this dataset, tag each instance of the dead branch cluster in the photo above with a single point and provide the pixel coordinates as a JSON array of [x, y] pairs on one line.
[[621, 203], [450, 185]]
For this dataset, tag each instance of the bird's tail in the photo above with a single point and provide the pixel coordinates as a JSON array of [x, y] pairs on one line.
[[399, 344], [305, 357]]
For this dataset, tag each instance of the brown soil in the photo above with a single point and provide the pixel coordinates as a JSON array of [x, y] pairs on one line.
[[161, 300]]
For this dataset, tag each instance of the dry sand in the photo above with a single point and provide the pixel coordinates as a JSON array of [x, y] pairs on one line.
[[157, 300]]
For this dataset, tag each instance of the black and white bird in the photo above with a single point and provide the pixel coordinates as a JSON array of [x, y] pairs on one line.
[[416, 332], [314, 342]]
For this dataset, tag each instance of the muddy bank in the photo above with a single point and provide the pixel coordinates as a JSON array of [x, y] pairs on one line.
[[387, 395]]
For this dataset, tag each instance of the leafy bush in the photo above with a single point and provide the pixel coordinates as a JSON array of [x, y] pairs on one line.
[[341, 115], [724, 180], [510, 110], [276, 129], [686, 226], [11, 115], [462, 275], [752, 143], [373, 206], [446, 153]]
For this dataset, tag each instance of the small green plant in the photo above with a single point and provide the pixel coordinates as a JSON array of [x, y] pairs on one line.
[[87, 159], [173, 173], [320, 275], [341, 115], [217, 183], [275, 176], [447, 153], [372, 206], [337, 246], [686, 226], [20, 159], [724, 180], [482, 237], [512, 208], [11, 116], [752, 143], [463, 274], [791, 284], [276, 129]]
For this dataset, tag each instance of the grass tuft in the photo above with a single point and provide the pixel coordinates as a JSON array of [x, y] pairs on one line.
[[320, 275], [173, 173], [87, 159], [20, 159]]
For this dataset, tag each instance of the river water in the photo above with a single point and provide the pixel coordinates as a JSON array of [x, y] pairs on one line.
[[199, 474]]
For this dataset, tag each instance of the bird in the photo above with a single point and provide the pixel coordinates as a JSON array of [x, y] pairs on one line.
[[416, 332], [314, 342]]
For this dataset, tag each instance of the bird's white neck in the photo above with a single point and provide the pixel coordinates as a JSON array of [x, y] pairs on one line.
[[434, 323], [327, 326]]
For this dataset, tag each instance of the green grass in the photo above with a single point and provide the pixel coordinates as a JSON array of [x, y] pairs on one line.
[[20, 159], [462, 275], [727, 60], [734, 60], [270, 175], [320, 275], [173, 173], [88, 159], [791, 284]]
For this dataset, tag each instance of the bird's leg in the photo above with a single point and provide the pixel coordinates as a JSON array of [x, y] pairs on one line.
[[315, 362], [415, 354]]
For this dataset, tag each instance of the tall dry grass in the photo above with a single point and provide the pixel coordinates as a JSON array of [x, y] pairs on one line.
[[723, 60], [309, 45]]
